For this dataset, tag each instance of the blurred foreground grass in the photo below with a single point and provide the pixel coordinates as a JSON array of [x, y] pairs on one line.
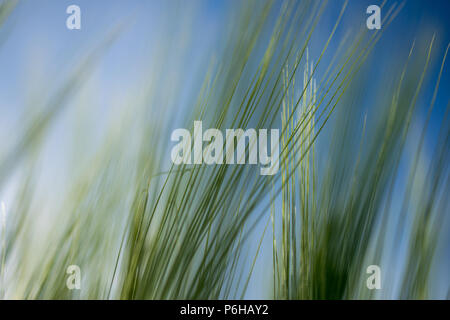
[[142, 229]]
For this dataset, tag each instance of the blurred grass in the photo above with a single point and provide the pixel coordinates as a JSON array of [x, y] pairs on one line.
[[337, 223], [142, 230]]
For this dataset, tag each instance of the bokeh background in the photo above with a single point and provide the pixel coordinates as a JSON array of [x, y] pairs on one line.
[[85, 131]]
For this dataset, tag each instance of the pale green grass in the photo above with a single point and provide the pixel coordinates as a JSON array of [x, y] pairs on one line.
[[142, 229]]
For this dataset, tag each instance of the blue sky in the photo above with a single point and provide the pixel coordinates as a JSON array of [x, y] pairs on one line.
[[40, 49], [39, 40]]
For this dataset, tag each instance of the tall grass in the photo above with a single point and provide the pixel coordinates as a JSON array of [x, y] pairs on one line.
[[338, 221], [140, 228]]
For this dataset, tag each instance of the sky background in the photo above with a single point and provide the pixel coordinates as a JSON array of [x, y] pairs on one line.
[[38, 51]]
